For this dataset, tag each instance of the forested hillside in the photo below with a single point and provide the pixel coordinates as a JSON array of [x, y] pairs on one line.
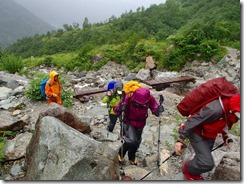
[[17, 22], [174, 33]]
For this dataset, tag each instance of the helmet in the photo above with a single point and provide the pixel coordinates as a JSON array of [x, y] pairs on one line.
[[118, 87]]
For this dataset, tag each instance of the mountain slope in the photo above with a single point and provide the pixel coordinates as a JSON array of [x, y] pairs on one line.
[[17, 22]]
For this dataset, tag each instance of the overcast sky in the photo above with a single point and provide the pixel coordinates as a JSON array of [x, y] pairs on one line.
[[60, 12]]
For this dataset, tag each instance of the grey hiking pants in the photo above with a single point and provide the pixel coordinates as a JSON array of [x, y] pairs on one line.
[[132, 141], [203, 159]]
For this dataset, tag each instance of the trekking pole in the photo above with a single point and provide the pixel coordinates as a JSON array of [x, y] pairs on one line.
[[219, 146], [122, 172], [108, 106], [173, 154], [161, 99]]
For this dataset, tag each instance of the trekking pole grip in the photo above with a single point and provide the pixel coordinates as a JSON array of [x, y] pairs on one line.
[[230, 140], [161, 99]]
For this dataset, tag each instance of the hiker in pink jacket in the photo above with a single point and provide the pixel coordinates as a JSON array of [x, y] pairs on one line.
[[135, 107]]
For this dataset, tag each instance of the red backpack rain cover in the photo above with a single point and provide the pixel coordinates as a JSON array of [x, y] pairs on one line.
[[204, 94]]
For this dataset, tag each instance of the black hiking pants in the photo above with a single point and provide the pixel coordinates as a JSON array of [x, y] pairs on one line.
[[132, 141], [112, 121], [203, 160]]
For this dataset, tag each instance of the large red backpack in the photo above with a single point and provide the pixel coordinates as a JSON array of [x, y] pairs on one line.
[[205, 93]]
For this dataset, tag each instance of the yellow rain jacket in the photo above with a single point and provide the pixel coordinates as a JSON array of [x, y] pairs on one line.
[[53, 89]]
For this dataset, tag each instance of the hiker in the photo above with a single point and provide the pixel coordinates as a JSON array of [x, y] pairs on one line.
[[53, 88], [135, 112], [113, 96], [202, 128]]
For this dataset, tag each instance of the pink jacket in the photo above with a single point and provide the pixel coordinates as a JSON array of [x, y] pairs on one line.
[[133, 114]]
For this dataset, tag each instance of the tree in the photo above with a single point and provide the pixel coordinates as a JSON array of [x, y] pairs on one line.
[[86, 24], [67, 27]]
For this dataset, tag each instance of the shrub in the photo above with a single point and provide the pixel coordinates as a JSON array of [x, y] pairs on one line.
[[67, 98], [11, 63], [47, 61], [33, 91], [209, 48]]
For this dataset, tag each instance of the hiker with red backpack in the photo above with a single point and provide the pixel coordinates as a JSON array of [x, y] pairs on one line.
[[205, 121], [134, 107], [113, 96]]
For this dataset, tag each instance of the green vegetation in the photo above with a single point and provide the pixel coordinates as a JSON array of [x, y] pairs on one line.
[[56, 60], [33, 91], [10, 63], [168, 145], [236, 129], [175, 33]]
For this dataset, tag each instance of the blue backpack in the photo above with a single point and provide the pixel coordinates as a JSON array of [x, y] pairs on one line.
[[42, 88]]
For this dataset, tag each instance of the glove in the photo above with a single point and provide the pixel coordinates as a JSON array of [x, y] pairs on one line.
[[121, 107], [161, 109], [54, 95], [227, 140]]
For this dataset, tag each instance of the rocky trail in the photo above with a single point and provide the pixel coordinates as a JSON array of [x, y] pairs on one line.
[[16, 108]]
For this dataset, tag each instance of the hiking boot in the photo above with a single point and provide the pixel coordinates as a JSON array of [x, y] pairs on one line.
[[121, 159], [189, 176], [133, 162]]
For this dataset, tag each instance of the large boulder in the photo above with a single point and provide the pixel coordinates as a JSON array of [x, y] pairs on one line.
[[59, 152], [229, 168], [67, 117]]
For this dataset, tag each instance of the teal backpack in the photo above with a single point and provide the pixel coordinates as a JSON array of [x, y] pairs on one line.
[[42, 88]]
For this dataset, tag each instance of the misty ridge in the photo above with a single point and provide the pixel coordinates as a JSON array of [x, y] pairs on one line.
[[60, 12], [17, 22], [25, 18]]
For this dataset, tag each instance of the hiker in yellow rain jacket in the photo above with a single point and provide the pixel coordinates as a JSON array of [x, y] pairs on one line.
[[53, 88]]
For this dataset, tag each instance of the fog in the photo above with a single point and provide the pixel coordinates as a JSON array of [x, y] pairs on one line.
[[60, 12]]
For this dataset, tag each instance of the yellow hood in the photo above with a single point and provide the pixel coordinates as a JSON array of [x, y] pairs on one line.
[[52, 74]]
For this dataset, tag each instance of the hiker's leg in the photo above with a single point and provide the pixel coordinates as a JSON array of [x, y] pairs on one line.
[[133, 141], [59, 100], [112, 122], [123, 149], [203, 159]]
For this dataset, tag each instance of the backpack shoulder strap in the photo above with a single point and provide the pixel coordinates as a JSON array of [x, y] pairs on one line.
[[226, 129]]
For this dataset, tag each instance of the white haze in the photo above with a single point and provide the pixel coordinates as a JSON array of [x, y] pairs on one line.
[[60, 12]]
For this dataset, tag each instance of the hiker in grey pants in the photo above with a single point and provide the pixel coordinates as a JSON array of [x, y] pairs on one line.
[[203, 155], [202, 128]]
